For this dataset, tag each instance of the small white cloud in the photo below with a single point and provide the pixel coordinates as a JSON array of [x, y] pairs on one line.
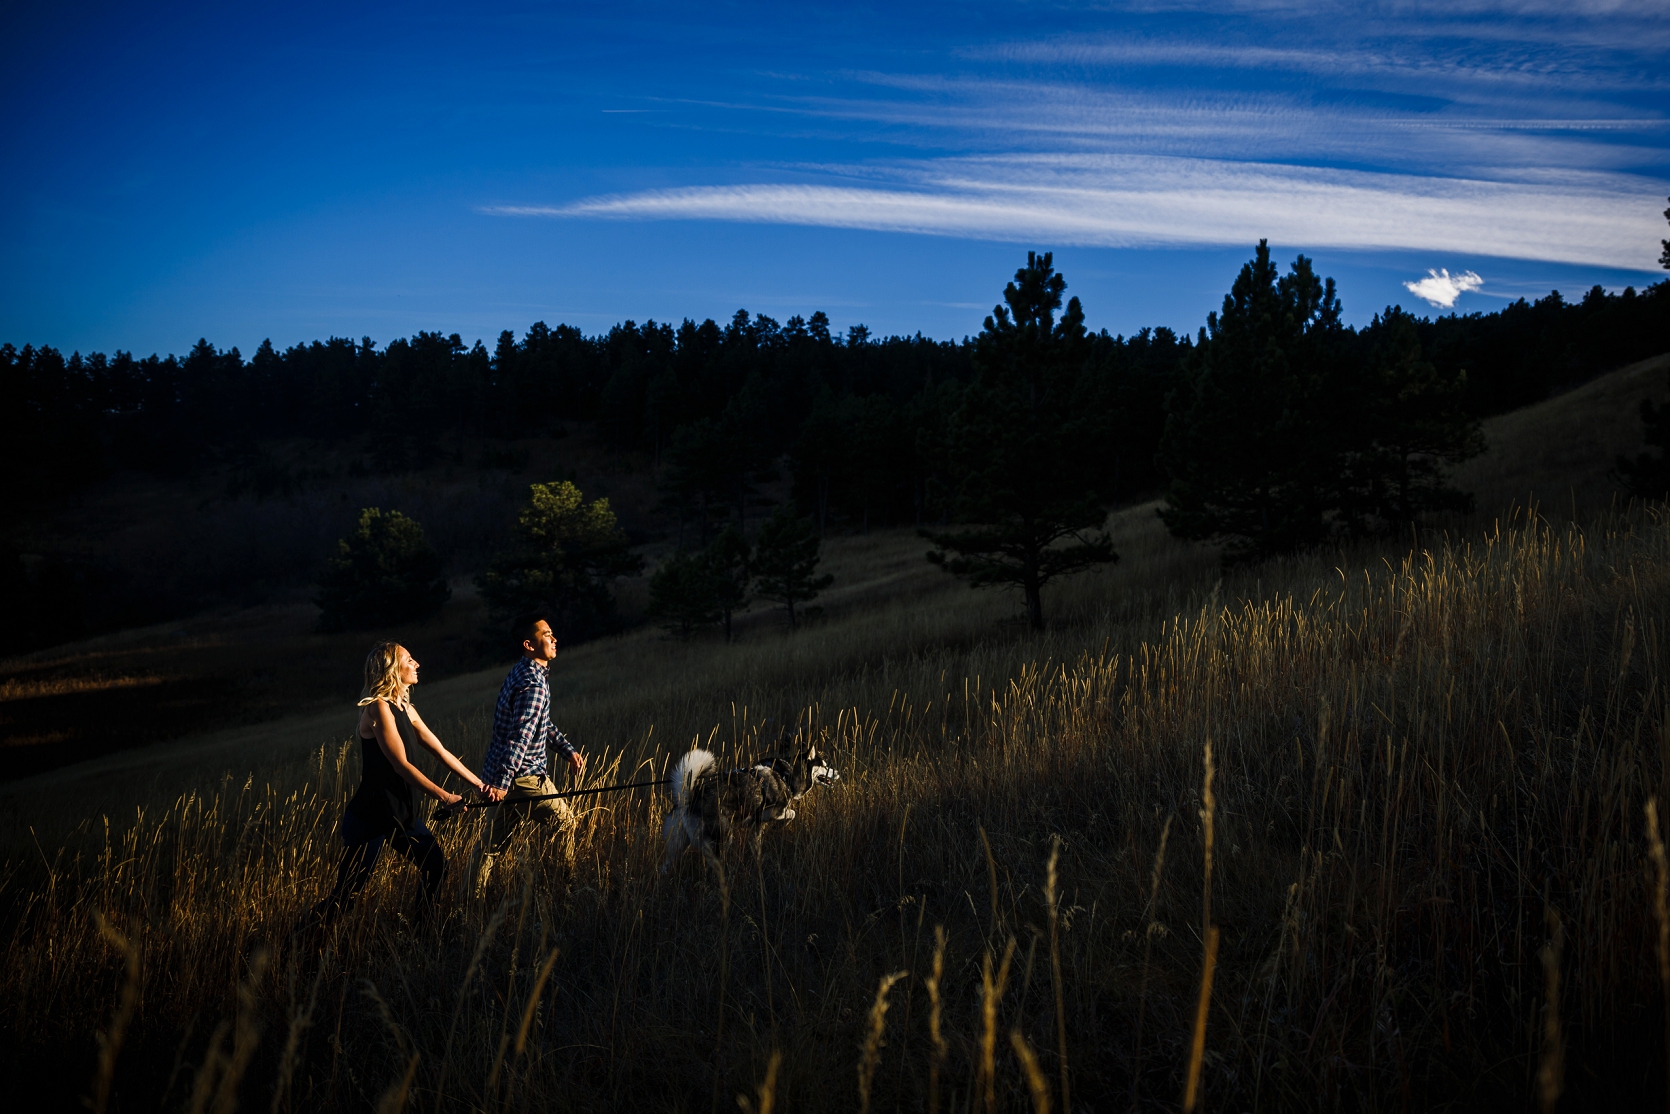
[[1440, 288]]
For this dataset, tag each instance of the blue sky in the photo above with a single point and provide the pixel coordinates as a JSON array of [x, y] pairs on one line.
[[303, 171]]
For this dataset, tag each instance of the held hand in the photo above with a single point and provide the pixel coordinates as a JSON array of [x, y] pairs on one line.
[[492, 793], [449, 799], [578, 761]]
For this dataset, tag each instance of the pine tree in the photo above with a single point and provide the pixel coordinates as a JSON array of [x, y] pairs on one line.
[[1664, 256], [683, 595], [1406, 420], [385, 572], [1023, 448], [564, 556], [1648, 473], [786, 560], [1254, 436], [729, 565], [1291, 429]]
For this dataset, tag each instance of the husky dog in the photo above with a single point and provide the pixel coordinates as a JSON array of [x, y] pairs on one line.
[[707, 802]]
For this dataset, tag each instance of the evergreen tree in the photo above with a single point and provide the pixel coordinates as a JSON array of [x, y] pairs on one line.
[[820, 455], [683, 595], [729, 564], [1022, 447], [564, 556], [1254, 436], [1407, 420], [1648, 474], [384, 572], [1290, 429], [1664, 256], [690, 591], [786, 560], [696, 477]]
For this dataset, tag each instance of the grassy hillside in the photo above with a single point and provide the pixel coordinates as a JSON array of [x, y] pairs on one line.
[[1559, 453], [1423, 849], [203, 684]]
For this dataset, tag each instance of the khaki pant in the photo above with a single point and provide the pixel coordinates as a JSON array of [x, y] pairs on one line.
[[509, 816]]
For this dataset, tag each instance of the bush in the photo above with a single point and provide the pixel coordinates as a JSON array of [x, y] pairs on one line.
[[384, 572]]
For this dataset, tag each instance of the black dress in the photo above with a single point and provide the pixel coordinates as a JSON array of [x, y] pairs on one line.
[[383, 801], [381, 811]]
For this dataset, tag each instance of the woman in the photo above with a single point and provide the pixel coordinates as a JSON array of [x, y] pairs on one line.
[[381, 809]]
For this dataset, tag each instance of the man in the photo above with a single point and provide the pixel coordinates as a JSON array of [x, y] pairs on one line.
[[515, 766]]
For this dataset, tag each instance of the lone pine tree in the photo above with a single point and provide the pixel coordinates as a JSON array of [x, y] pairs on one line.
[[1028, 496], [786, 561]]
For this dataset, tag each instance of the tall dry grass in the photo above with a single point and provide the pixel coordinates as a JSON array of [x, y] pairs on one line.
[[1431, 882]]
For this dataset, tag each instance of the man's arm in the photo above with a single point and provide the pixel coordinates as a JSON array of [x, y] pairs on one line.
[[560, 743]]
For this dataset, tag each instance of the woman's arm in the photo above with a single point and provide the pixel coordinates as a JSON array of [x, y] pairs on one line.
[[428, 739], [388, 738]]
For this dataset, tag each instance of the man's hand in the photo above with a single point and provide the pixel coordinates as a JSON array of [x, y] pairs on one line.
[[492, 793], [578, 761]]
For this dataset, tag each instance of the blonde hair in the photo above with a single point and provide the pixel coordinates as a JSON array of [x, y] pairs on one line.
[[382, 677]]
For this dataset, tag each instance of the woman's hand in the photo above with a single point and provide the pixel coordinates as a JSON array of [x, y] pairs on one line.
[[449, 799]]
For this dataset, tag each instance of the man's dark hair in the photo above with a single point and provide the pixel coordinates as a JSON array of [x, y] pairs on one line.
[[521, 627]]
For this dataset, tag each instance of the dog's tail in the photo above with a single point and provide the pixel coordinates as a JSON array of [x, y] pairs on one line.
[[686, 771]]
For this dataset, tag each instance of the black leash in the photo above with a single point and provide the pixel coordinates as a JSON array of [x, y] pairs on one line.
[[447, 812]]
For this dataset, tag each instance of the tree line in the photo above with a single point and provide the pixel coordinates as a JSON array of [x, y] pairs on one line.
[[858, 420], [1275, 427]]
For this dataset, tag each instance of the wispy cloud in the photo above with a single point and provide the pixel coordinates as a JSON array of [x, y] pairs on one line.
[[1482, 138], [1529, 129], [1602, 220], [1424, 66], [1441, 289]]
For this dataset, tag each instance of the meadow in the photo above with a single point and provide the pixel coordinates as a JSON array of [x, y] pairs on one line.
[[1372, 829]]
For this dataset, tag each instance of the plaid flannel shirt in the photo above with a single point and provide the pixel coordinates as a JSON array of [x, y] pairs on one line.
[[522, 727]]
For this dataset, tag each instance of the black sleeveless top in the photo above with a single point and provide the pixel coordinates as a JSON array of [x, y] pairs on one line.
[[384, 798]]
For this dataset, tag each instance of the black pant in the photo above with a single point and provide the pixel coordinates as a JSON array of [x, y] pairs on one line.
[[362, 848]]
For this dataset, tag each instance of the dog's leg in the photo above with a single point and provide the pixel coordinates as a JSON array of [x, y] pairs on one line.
[[678, 839]]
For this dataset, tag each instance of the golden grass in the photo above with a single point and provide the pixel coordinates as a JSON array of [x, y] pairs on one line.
[[19, 689], [1415, 759]]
